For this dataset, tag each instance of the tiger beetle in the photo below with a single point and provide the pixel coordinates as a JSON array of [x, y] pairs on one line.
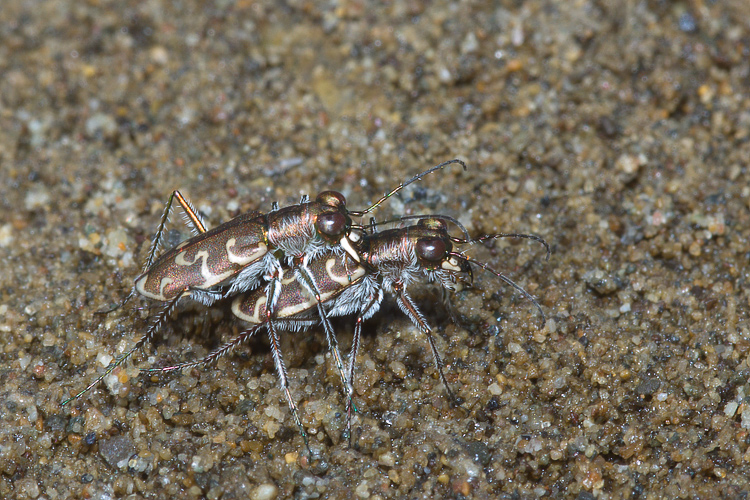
[[246, 252], [388, 261]]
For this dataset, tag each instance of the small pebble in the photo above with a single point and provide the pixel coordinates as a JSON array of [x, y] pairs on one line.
[[117, 450], [266, 491]]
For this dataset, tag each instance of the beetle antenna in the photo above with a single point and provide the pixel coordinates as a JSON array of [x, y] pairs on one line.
[[495, 236], [507, 281], [359, 213]]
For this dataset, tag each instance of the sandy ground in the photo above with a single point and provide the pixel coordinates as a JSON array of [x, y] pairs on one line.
[[618, 131]]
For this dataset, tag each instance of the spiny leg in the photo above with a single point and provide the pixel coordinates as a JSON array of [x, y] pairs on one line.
[[199, 227], [308, 282], [190, 215], [365, 313], [272, 292], [117, 306], [210, 357], [415, 315], [446, 299], [159, 321], [222, 351]]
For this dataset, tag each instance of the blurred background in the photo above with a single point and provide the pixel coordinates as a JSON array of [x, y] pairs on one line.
[[618, 131]]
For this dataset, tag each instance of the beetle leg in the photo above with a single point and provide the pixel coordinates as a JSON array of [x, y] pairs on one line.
[[415, 315], [304, 276], [159, 321]]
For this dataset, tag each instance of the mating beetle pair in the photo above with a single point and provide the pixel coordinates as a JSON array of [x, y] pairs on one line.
[[245, 252], [298, 265]]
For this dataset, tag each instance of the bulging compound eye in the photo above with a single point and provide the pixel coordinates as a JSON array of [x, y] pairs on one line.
[[331, 223], [331, 199], [431, 249]]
